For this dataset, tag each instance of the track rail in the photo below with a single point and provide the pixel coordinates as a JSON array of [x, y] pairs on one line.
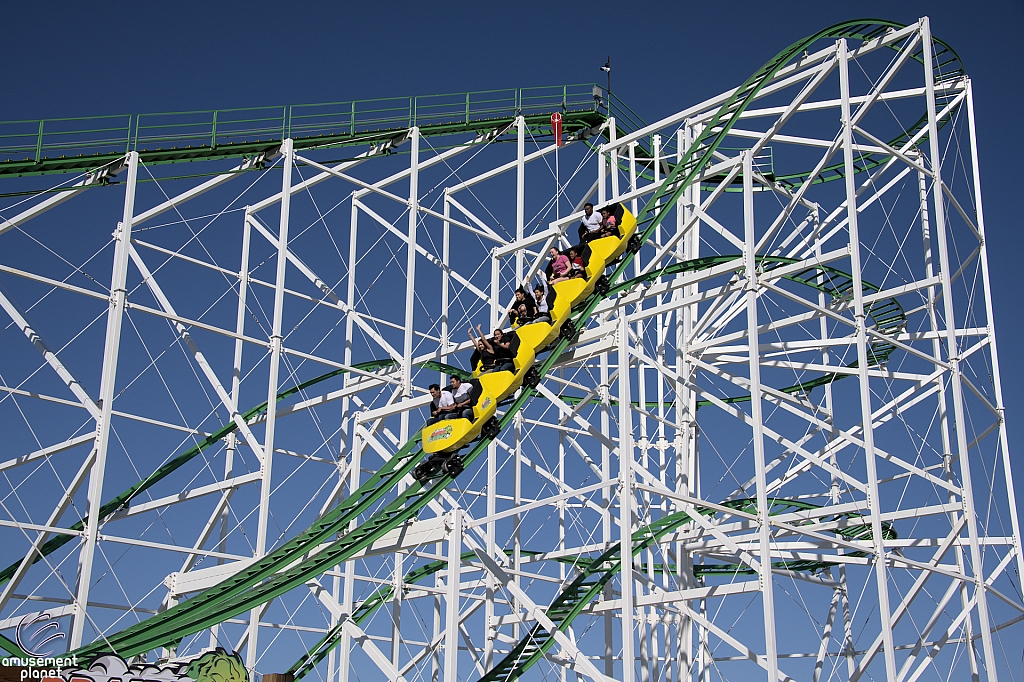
[[64, 145], [537, 642], [122, 501], [594, 575]]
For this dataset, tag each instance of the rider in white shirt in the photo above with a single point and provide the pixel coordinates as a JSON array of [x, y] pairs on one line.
[[461, 396], [591, 223], [441, 405]]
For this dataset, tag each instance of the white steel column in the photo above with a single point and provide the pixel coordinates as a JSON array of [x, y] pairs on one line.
[[407, 368], [953, 357], [874, 503], [446, 280], [754, 364], [345, 646], [686, 420], [943, 414], [613, 158], [339, 656], [625, 499], [338, 664], [602, 178], [410, 265], [606, 509], [451, 636], [521, 193], [490, 587], [223, 510], [632, 177], [996, 380], [111, 348], [266, 465]]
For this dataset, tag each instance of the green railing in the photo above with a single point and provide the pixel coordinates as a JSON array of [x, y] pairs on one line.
[[36, 140], [52, 138]]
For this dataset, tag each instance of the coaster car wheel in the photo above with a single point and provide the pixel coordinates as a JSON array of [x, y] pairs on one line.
[[453, 466], [491, 429], [425, 470]]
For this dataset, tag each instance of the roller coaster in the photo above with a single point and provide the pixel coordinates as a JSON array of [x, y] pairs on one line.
[[781, 372]]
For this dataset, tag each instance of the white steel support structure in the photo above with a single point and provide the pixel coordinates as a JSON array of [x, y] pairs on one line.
[[811, 392], [266, 467], [881, 569], [953, 353], [764, 555], [111, 349]]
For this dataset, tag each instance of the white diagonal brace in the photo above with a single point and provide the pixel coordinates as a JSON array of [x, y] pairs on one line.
[[65, 502], [327, 291], [219, 486], [580, 663], [355, 632], [196, 191], [51, 358], [47, 451], [200, 359], [58, 198]]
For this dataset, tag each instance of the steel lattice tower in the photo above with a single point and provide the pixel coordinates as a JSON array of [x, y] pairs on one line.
[[785, 411]]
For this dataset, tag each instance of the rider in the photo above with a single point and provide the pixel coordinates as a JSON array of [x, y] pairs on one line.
[[502, 346], [559, 266], [442, 405], [590, 224], [524, 308], [461, 395]]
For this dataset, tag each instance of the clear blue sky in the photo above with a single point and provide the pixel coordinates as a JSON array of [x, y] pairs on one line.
[[87, 58]]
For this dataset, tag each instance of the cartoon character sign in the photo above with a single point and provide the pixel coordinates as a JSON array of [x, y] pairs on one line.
[[212, 666]]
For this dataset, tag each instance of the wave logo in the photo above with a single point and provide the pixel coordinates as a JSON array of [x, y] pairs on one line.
[[440, 433], [33, 637]]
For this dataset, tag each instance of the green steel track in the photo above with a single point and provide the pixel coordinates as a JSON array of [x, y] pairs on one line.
[[42, 147], [887, 315], [292, 563], [122, 501], [947, 68], [595, 573]]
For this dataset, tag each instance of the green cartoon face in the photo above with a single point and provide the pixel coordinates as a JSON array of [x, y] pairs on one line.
[[217, 666]]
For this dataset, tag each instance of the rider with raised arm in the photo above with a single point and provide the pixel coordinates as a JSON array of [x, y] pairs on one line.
[[502, 348], [483, 349], [540, 295]]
